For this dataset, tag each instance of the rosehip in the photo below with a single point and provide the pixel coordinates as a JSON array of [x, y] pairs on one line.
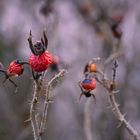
[[92, 67], [40, 59], [88, 84], [15, 69], [40, 63]]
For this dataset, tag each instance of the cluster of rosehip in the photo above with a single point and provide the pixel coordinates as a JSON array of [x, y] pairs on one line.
[[88, 84], [39, 60]]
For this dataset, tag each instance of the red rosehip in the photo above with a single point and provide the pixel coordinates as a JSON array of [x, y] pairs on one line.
[[92, 67], [88, 84], [15, 69], [40, 63]]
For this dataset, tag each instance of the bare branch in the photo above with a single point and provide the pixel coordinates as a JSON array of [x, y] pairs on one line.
[[87, 120], [121, 118], [47, 102], [32, 110], [115, 107]]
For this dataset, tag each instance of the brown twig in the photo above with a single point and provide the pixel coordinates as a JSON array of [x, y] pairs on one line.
[[32, 109], [38, 127], [47, 102], [113, 56], [115, 107], [116, 111]]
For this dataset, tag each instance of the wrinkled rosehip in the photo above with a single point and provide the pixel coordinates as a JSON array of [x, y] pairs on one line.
[[40, 63], [15, 69]]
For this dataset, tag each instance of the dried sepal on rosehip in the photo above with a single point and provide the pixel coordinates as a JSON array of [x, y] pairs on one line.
[[38, 47], [86, 86], [40, 59]]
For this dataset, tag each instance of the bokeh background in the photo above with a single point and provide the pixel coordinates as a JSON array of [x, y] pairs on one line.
[[78, 30]]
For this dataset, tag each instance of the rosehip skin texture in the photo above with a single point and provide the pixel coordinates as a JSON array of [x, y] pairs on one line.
[[15, 69], [40, 63], [88, 84]]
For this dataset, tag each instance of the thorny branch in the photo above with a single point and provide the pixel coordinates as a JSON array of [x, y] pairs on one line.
[[47, 102], [38, 127], [32, 109], [114, 105]]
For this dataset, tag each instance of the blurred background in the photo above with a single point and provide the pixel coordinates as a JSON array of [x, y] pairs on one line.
[[77, 30]]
